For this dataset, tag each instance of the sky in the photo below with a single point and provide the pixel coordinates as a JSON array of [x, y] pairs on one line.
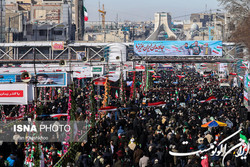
[[143, 10]]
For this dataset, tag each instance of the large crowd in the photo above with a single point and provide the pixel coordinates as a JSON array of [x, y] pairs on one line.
[[140, 135]]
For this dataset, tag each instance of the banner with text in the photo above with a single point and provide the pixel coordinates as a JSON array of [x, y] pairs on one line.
[[16, 93], [178, 48]]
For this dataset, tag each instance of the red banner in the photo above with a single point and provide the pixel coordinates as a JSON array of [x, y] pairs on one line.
[[11, 93], [99, 83]]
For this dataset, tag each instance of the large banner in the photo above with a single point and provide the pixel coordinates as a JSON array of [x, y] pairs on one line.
[[178, 48], [16, 93], [48, 79]]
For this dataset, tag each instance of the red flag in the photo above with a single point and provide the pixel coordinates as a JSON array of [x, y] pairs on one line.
[[180, 76], [209, 99]]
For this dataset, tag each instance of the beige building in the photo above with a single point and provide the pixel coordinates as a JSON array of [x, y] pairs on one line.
[[46, 12]]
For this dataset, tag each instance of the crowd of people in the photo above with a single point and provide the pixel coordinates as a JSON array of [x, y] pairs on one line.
[[139, 135], [143, 137]]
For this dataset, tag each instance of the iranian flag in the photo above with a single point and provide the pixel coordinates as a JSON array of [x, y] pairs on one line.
[[116, 94], [209, 99], [245, 95], [241, 78], [245, 64], [86, 18]]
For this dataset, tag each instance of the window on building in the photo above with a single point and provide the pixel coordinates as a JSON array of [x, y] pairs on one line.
[[58, 32], [42, 32]]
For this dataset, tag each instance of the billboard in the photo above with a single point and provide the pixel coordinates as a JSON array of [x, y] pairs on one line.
[[48, 79], [16, 93], [178, 48], [7, 78], [57, 45], [51, 79], [82, 72]]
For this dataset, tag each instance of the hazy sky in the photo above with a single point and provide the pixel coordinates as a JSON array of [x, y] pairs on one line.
[[141, 10]]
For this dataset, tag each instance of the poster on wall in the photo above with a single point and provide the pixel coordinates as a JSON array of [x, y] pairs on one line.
[[178, 48]]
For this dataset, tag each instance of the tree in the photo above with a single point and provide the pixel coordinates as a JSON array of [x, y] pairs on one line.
[[242, 32], [238, 9]]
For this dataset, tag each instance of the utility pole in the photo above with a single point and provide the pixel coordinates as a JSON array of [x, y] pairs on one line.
[[35, 78], [69, 19], [1, 21], [9, 31]]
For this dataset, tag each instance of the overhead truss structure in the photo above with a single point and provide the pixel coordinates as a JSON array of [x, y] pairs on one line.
[[22, 52]]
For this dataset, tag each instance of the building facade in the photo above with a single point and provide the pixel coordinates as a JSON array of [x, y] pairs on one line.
[[2, 21]]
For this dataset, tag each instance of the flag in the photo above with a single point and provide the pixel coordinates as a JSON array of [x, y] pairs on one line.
[[211, 91], [116, 94], [243, 137], [245, 95], [241, 78], [152, 71], [177, 97], [209, 99], [86, 18], [232, 73], [180, 76], [59, 153], [245, 64], [247, 80]]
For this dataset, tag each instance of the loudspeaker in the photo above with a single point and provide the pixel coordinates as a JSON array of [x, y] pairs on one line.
[[25, 77], [84, 59], [102, 59], [62, 63]]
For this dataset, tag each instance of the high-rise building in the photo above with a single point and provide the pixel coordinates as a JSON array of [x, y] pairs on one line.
[[2, 21]]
